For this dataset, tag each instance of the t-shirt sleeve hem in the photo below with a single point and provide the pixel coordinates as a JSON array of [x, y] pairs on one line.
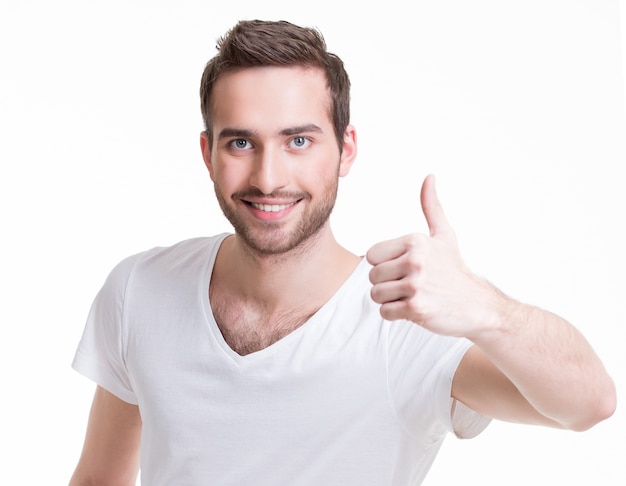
[[91, 370], [467, 423], [461, 420]]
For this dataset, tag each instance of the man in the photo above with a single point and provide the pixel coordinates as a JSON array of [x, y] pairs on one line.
[[276, 356]]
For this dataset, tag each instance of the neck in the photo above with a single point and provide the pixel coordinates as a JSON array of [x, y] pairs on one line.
[[311, 272]]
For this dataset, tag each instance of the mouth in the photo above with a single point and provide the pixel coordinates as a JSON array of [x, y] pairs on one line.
[[271, 208]]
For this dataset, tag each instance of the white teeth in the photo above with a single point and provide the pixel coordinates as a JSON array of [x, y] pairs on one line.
[[271, 208]]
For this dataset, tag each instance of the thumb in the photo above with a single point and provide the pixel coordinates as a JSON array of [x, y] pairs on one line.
[[433, 211]]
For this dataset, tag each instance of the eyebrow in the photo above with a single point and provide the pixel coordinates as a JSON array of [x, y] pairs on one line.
[[307, 128], [235, 132], [243, 133]]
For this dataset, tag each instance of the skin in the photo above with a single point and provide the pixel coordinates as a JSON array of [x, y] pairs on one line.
[[110, 453], [259, 297], [528, 365], [275, 145]]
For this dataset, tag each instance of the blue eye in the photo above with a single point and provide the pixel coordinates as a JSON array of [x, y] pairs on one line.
[[240, 143], [300, 142]]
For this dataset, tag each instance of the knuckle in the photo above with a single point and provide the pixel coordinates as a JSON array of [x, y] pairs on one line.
[[414, 259], [409, 287], [372, 275], [375, 293], [372, 255], [414, 307], [387, 313], [414, 240]]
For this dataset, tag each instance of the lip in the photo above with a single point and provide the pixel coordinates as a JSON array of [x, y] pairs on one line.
[[271, 210]]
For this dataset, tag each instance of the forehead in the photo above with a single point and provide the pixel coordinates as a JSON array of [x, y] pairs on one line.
[[264, 97]]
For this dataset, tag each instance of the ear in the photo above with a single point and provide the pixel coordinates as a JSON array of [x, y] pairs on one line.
[[349, 149], [205, 146]]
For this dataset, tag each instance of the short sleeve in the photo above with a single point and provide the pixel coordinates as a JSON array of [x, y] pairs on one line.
[[421, 369], [100, 355], [467, 423]]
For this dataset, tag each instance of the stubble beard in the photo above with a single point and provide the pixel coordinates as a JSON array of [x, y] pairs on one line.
[[266, 239]]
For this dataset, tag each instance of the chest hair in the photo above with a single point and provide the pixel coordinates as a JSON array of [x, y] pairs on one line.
[[248, 327]]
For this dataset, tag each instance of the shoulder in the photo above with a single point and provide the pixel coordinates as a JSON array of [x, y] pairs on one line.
[[177, 253], [188, 253], [183, 249]]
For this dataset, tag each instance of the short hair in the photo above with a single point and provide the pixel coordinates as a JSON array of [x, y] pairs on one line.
[[254, 43]]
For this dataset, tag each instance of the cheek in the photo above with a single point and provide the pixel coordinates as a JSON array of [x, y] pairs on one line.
[[314, 175], [228, 177], [325, 164]]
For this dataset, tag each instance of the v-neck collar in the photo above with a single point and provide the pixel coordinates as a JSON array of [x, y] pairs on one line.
[[321, 314]]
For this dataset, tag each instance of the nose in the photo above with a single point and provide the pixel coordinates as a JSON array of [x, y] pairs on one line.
[[269, 170]]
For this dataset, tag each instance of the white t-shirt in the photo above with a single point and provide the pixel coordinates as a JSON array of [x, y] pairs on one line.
[[346, 399]]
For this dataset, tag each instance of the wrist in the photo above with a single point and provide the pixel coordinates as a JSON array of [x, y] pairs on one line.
[[496, 315]]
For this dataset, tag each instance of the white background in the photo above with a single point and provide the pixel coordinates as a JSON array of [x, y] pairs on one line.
[[517, 107]]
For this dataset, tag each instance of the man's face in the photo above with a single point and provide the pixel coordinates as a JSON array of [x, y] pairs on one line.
[[275, 161]]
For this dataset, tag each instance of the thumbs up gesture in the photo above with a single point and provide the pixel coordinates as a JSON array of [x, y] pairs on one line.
[[422, 278]]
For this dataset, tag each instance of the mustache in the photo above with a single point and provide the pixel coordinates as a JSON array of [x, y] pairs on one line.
[[253, 192]]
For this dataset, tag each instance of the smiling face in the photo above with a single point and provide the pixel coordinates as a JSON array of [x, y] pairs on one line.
[[275, 160]]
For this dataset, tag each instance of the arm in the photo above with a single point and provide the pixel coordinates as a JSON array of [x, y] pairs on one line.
[[528, 365], [540, 368], [111, 450]]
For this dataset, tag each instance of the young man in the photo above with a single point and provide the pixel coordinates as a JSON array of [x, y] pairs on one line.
[[276, 356]]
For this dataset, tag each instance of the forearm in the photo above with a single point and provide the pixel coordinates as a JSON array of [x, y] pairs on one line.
[[550, 363], [535, 353]]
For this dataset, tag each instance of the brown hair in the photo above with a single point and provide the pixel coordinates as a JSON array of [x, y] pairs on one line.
[[255, 43]]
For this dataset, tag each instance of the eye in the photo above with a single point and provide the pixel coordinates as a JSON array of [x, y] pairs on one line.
[[299, 142], [240, 144]]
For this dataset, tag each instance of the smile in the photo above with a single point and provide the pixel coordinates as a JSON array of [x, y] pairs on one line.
[[272, 208]]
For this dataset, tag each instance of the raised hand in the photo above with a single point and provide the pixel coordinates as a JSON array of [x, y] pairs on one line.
[[422, 278]]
